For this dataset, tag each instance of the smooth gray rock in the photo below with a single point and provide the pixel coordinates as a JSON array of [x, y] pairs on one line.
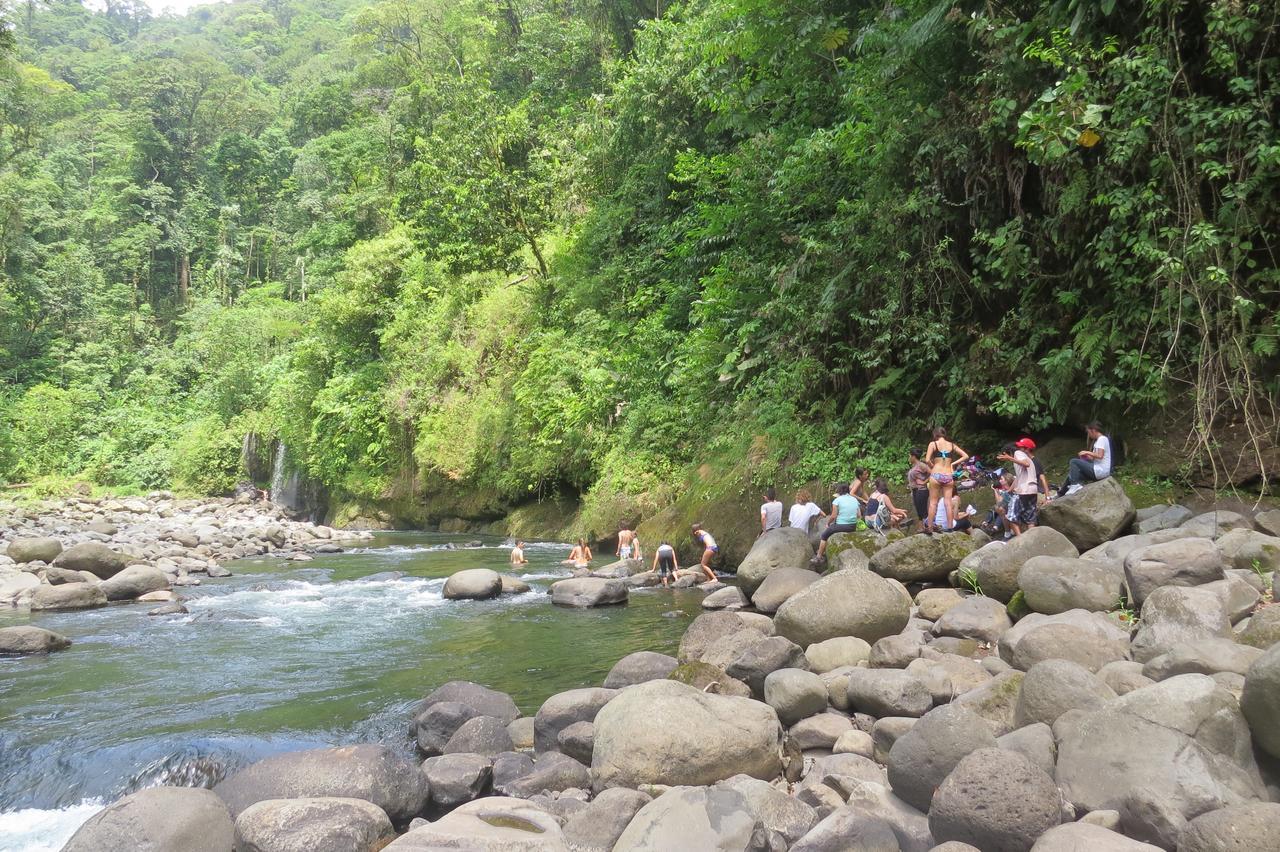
[[794, 694], [1053, 687], [1118, 549], [457, 778], [639, 667], [924, 756], [67, 596], [947, 675], [1092, 623], [922, 558], [472, 584], [1250, 550], [997, 565], [932, 603], [510, 767], [819, 731], [134, 582], [1260, 701], [874, 799], [1243, 828], [978, 617], [772, 807], [373, 773], [578, 741], [552, 772], [56, 576], [995, 701], [158, 819], [33, 549], [436, 725], [1167, 518], [312, 825], [1263, 629], [27, 639], [1208, 656], [1070, 642], [1238, 596], [597, 827], [1124, 676], [1185, 562], [492, 824], [589, 592], [1098, 512], [1086, 837], [694, 818], [835, 653], [485, 735], [897, 651], [756, 661], [783, 548], [709, 628], [1052, 584], [1175, 615], [996, 800], [846, 603], [888, 692], [1215, 524], [730, 597], [1034, 742], [94, 557], [780, 585], [562, 710], [846, 829]]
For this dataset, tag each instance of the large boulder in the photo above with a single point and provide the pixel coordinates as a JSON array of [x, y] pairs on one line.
[[27, 639], [68, 596], [977, 617], [597, 827], [780, 585], [1090, 623], [694, 818], [794, 694], [848, 828], [134, 582], [1087, 837], [1250, 550], [553, 772], [1263, 629], [698, 738], [1185, 562], [835, 653], [996, 565], [98, 559], [457, 778], [729, 597], [1166, 518], [846, 603], [22, 550], [1216, 523], [493, 824], [1207, 656], [312, 825], [639, 667], [373, 773], [995, 800], [1175, 615], [482, 700], [472, 584], [1097, 512], [922, 558], [1053, 687], [1260, 700], [436, 725], [1071, 642], [995, 701], [589, 591], [888, 692], [1052, 584], [485, 735], [775, 810], [1243, 828], [158, 819], [562, 710], [781, 548], [17, 589], [709, 628], [1117, 549], [932, 603], [924, 756], [1183, 742]]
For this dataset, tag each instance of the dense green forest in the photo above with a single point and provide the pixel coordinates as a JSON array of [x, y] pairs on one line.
[[582, 246]]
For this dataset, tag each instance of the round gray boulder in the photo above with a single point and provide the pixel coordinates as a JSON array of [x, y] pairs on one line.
[[1053, 687], [67, 596], [835, 653], [589, 591], [312, 825], [562, 710], [693, 818], [134, 582], [781, 548], [1184, 562], [888, 692], [27, 639], [997, 564], [995, 800], [922, 558], [486, 735], [22, 550], [976, 617], [158, 819], [1176, 615], [922, 758], [482, 700], [1098, 512], [491, 824], [795, 694], [1053, 584], [781, 584], [1260, 700], [456, 778], [91, 556], [1241, 828], [846, 603], [597, 827], [639, 667], [473, 584]]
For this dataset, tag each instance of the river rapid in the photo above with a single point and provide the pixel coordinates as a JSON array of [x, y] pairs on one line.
[[283, 656]]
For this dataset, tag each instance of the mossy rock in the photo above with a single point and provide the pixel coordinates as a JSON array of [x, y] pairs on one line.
[[1017, 606], [868, 541], [701, 675]]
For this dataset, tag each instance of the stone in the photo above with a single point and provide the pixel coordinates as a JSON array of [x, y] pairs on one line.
[[998, 564], [820, 730], [846, 559], [492, 824], [485, 735], [896, 652], [1085, 837], [783, 548], [932, 603], [1175, 615], [370, 772], [1091, 623], [772, 807], [794, 694], [18, 589], [521, 732], [922, 558], [514, 585], [28, 639], [94, 557], [1183, 740], [472, 584], [1250, 550], [855, 742], [1260, 701], [995, 701], [1263, 629], [1208, 656], [436, 725], [134, 582], [1098, 512], [694, 818], [322, 824], [597, 827], [947, 675], [1145, 814], [996, 800], [888, 692], [457, 778], [1052, 584], [67, 596], [874, 798], [1185, 562], [158, 819], [847, 603], [1034, 742], [639, 667], [1239, 596], [552, 772], [924, 756], [1053, 687], [754, 663], [708, 628], [32, 549], [846, 829], [1167, 517], [1215, 524], [730, 597], [509, 767], [718, 737], [588, 592], [1068, 642], [577, 741], [169, 609], [1124, 676], [562, 710], [1242, 828], [621, 569], [780, 585], [978, 617], [836, 652]]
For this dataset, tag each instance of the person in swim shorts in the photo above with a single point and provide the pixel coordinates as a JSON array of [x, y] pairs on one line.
[[709, 550], [665, 562], [628, 543], [942, 457]]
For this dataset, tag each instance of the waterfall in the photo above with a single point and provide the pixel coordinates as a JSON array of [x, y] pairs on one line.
[[284, 482]]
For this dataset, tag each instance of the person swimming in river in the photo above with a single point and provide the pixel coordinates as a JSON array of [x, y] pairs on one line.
[[628, 543], [517, 554], [665, 562], [709, 550], [580, 556], [942, 457]]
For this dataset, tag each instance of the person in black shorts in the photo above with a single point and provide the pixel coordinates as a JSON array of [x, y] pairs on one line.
[[665, 562]]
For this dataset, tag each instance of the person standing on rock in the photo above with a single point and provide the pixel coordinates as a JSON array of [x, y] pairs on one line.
[[770, 511], [918, 482], [628, 543], [517, 554], [709, 550], [1089, 465], [1026, 490], [803, 511], [845, 512], [942, 456], [665, 562]]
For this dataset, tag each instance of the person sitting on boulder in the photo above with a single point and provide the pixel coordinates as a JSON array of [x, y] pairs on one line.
[[709, 550], [880, 512], [845, 512], [628, 543], [517, 554], [858, 488], [665, 562], [1091, 465], [803, 511], [770, 511]]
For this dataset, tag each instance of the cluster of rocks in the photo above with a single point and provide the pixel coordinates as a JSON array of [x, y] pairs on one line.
[[1108, 689], [606, 586], [83, 552]]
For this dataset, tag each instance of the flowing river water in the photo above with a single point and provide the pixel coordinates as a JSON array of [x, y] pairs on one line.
[[283, 656]]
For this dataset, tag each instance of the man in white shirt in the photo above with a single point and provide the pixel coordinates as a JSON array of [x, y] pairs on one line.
[[770, 512], [803, 511], [1023, 514], [1089, 465]]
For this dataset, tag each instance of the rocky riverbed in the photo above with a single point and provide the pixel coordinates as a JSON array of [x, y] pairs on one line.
[[1109, 681]]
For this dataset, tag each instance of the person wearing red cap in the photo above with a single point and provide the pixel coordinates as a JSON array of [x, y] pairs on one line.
[[1026, 489]]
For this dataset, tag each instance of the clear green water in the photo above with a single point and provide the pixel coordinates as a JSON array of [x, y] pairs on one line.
[[290, 655]]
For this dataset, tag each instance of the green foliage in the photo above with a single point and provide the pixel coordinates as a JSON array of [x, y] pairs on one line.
[[206, 457]]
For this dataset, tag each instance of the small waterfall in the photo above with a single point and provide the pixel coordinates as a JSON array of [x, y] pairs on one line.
[[284, 482]]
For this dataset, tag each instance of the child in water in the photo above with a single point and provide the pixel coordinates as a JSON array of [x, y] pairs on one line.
[[517, 554]]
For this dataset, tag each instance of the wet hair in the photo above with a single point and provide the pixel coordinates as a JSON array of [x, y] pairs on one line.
[[803, 496], [881, 485], [519, 543], [1094, 425], [771, 494], [582, 542], [939, 432], [842, 488]]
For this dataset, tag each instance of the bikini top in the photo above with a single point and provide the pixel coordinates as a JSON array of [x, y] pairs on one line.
[[942, 454]]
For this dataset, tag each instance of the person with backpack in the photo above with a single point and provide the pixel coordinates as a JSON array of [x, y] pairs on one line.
[[1091, 465], [880, 512]]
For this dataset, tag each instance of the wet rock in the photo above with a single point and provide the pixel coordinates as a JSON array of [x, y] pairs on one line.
[[312, 825], [486, 735], [776, 549], [639, 667], [995, 800], [168, 819], [780, 585], [1052, 584], [1098, 512], [847, 603], [491, 824], [26, 639], [67, 596], [730, 597], [472, 584], [41, 549], [169, 609]]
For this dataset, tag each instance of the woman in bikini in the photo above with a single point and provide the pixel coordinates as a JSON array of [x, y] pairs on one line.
[[942, 456], [580, 556]]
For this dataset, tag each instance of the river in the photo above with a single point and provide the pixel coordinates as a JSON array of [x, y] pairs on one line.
[[283, 656]]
